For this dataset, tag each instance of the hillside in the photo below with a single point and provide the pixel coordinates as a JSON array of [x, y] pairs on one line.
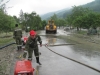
[[94, 5], [59, 13]]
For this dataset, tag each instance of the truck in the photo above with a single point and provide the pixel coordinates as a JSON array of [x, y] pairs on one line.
[[51, 27]]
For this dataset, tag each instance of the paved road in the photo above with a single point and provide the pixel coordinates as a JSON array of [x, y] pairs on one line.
[[53, 64]]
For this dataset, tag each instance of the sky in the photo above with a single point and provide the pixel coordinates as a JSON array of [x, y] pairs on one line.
[[41, 6]]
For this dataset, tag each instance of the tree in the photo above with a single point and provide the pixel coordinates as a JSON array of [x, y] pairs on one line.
[[55, 18], [76, 17], [6, 22], [16, 19], [32, 20], [21, 16], [91, 20], [3, 5], [61, 22], [44, 23]]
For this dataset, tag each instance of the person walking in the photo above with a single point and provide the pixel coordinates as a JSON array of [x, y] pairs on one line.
[[31, 45], [17, 35]]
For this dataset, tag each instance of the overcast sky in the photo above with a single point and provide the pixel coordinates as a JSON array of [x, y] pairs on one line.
[[41, 6]]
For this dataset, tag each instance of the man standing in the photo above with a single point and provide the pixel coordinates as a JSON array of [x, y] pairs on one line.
[[31, 45], [17, 34]]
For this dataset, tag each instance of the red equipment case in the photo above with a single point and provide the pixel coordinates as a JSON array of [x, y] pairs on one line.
[[23, 67]]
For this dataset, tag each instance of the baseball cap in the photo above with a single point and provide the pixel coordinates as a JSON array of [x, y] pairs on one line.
[[32, 32]]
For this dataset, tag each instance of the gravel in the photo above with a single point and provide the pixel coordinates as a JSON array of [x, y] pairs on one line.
[[6, 59]]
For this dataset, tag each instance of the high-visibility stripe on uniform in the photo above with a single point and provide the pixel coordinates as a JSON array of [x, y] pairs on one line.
[[36, 56], [17, 29]]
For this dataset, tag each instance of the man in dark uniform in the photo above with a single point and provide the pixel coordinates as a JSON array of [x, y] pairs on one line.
[[31, 44], [17, 35]]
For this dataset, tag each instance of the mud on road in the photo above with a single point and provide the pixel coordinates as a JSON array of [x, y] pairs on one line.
[[91, 41]]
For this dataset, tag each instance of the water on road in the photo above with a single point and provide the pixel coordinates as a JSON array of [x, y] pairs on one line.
[[53, 64]]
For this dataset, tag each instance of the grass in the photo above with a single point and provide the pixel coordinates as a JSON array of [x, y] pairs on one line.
[[82, 32], [6, 38], [6, 34]]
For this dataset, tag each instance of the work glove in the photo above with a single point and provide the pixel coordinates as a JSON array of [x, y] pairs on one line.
[[40, 45]]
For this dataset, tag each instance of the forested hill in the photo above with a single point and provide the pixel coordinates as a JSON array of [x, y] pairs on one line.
[[94, 5], [59, 13]]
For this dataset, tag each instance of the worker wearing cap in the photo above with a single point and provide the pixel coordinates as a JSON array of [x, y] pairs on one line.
[[17, 35], [31, 44]]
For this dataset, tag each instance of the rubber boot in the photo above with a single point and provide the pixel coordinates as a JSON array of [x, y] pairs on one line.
[[18, 48], [37, 60]]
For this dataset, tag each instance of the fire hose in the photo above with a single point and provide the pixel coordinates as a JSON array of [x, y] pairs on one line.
[[7, 45], [47, 46]]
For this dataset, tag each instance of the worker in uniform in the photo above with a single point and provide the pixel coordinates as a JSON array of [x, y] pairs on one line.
[[31, 45], [17, 35]]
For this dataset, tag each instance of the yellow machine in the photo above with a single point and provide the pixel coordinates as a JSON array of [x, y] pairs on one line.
[[51, 27]]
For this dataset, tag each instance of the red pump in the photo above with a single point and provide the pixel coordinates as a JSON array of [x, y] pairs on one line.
[[23, 67]]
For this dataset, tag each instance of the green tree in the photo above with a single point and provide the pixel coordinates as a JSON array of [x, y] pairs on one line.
[[55, 18], [75, 19], [16, 19], [32, 20], [61, 22], [6, 22], [91, 20], [44, 23]]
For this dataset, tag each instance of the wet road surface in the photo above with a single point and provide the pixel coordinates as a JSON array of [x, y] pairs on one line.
[[53, 64]]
